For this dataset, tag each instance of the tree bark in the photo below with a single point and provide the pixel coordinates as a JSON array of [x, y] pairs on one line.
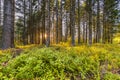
[[73, 22], [104, 23], [43, 21], [56, 21], [90, 21], [8, 25], [0, 13], [79, 22], [48, 24], [0, 22], [60, 37], [24, 29], [66, 30], [98, 22]]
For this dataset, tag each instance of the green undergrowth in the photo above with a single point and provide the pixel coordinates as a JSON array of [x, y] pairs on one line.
[[116, 39], [62, 63]]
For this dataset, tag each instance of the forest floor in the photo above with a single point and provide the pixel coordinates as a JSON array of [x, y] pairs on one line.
[[61, 62], [100, 61]]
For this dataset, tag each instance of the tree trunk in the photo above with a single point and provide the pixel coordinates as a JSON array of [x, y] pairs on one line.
[[31, 21], [79, 22], [73, 22], [0, 22], [90, 21], [60, 37], [83, 28], [98, 22], [24, 29], [104, 23], [86, 35], [0, 13], [48, 24], [66, 30], [43, 21], [94, 29], [13, 19], [8, 25], [56, 21]]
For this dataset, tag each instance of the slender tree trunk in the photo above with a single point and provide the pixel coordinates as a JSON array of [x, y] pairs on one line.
[[73, 22], [60, 37], [94, 29], [8, 25], [38, 24], [43, 21], [39, 32], [79, 22], [28, 25], [66, 30], [0, 22], [98, 22], [86, 35], [24, 29], [70, 14], [90, 21], [48, 24], [83, 29], [0, 12], [56, 21], [31, 22], [104, 24], [111, 35], [53, 34], [87, 21], [35, 30], [13, 19]]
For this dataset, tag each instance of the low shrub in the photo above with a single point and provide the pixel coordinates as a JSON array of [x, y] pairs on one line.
[[62, 63]]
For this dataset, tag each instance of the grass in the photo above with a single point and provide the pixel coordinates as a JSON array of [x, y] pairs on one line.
[[61, 62], [116, 39]]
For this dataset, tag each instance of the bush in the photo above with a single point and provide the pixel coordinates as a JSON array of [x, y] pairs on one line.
[[62, 63]]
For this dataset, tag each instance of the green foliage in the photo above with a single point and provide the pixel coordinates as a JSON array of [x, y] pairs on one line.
[[111, 76], [63, 63], [116, 39]]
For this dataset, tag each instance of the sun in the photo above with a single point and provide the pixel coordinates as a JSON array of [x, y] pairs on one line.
[[45, 35]]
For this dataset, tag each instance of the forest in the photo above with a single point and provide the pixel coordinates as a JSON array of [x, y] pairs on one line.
[[59, 39]]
